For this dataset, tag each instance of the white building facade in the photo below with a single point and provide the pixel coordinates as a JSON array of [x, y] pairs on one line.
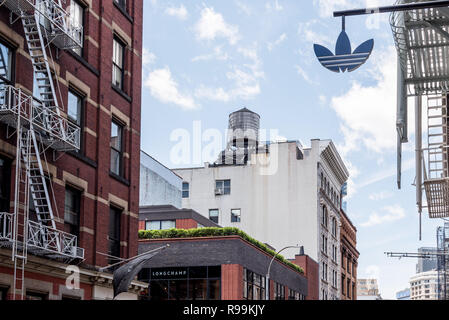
[[286, 196], [424, 286]]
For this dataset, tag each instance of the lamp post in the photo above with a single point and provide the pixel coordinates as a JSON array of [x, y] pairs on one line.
[[267, 282]]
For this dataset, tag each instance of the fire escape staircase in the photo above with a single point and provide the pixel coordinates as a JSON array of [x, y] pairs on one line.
[[39, 125]]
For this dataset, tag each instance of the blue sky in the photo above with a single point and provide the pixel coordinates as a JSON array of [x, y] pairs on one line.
[[203, 60]]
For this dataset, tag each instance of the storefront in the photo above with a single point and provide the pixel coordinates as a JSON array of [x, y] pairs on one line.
[[189, 283]]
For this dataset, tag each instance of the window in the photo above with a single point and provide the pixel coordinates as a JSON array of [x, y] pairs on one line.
[[72, 211], [324, 271], [118, 62], [253, 286], [160, 225], [114, 233], [324, 218], [6, 65], [3, 293], [293, 295], [235, 215], [77, 21], [213, 215], [322, 180], [185, 190], [121, 3], [279, 292], [30, 295], [5, 184], [324, 244], [334, 227], [75, 111], [116, 148], [222, 187]]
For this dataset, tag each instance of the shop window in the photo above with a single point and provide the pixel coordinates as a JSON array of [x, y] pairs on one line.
[[253, 286], [279, 292]]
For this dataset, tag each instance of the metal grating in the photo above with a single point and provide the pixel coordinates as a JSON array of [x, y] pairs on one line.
[[422, 41]]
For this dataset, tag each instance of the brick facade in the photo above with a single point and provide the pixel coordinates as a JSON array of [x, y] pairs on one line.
[[90, 75], [349, 258], [311, 272]]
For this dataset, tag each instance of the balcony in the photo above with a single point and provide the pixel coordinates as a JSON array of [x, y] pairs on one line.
[[41, 240], [53, 19], [52, 129]]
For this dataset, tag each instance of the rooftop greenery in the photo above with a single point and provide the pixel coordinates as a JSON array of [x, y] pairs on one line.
[[213, 232]]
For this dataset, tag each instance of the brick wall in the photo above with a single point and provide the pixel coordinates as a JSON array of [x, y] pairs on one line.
[[311, 272], [231, 282], [91, 77]]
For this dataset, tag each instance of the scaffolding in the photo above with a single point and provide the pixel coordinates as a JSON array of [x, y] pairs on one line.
[[38, 125]]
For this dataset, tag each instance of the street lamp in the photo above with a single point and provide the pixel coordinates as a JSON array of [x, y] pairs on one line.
[[267, 282]]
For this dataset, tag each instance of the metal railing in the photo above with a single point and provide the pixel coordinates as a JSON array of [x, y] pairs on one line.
[[43, 240], [53, 241], [55, 131], [6, 221], [61, 29]]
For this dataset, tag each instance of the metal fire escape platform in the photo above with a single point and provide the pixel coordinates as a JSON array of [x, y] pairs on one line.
[[53, 130], [52, 19], [422, 41]]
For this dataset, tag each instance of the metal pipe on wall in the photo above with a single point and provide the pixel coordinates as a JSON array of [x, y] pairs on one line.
[[418, 157]]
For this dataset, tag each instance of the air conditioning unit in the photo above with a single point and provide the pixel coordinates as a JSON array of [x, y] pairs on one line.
[[219, 192]]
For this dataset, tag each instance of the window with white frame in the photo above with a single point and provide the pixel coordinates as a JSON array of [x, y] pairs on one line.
[[222, 187], [77, 21], [118, 62]]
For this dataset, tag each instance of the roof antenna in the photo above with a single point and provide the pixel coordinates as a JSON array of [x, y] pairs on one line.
[[343, 23]]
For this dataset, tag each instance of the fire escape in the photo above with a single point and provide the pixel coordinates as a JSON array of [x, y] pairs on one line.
[[38, 126]]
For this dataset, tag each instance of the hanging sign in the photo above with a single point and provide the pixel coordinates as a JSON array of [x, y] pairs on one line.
[[344, 58]]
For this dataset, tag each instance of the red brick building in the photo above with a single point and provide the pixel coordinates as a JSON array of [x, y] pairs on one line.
[[349, 258], [93, 190], [216, 267]]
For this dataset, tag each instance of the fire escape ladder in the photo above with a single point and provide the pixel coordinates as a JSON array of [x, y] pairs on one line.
[[437, 181], [42, 72]]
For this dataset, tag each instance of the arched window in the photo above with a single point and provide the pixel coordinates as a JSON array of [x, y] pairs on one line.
[[322, 180]]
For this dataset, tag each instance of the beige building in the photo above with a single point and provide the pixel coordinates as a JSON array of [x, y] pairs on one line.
[[424, 286], [368, 289]]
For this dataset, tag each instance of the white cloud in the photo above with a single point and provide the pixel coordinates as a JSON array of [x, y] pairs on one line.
[[304, 75], [389, 214], [164, 88], [218, 54], [322, 99], [380, 195], [274, 6], [368, 113], [307, 33], [212, 25], [278, 41], [244, 78], [244, 8], [148, 57], [178, 12]]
